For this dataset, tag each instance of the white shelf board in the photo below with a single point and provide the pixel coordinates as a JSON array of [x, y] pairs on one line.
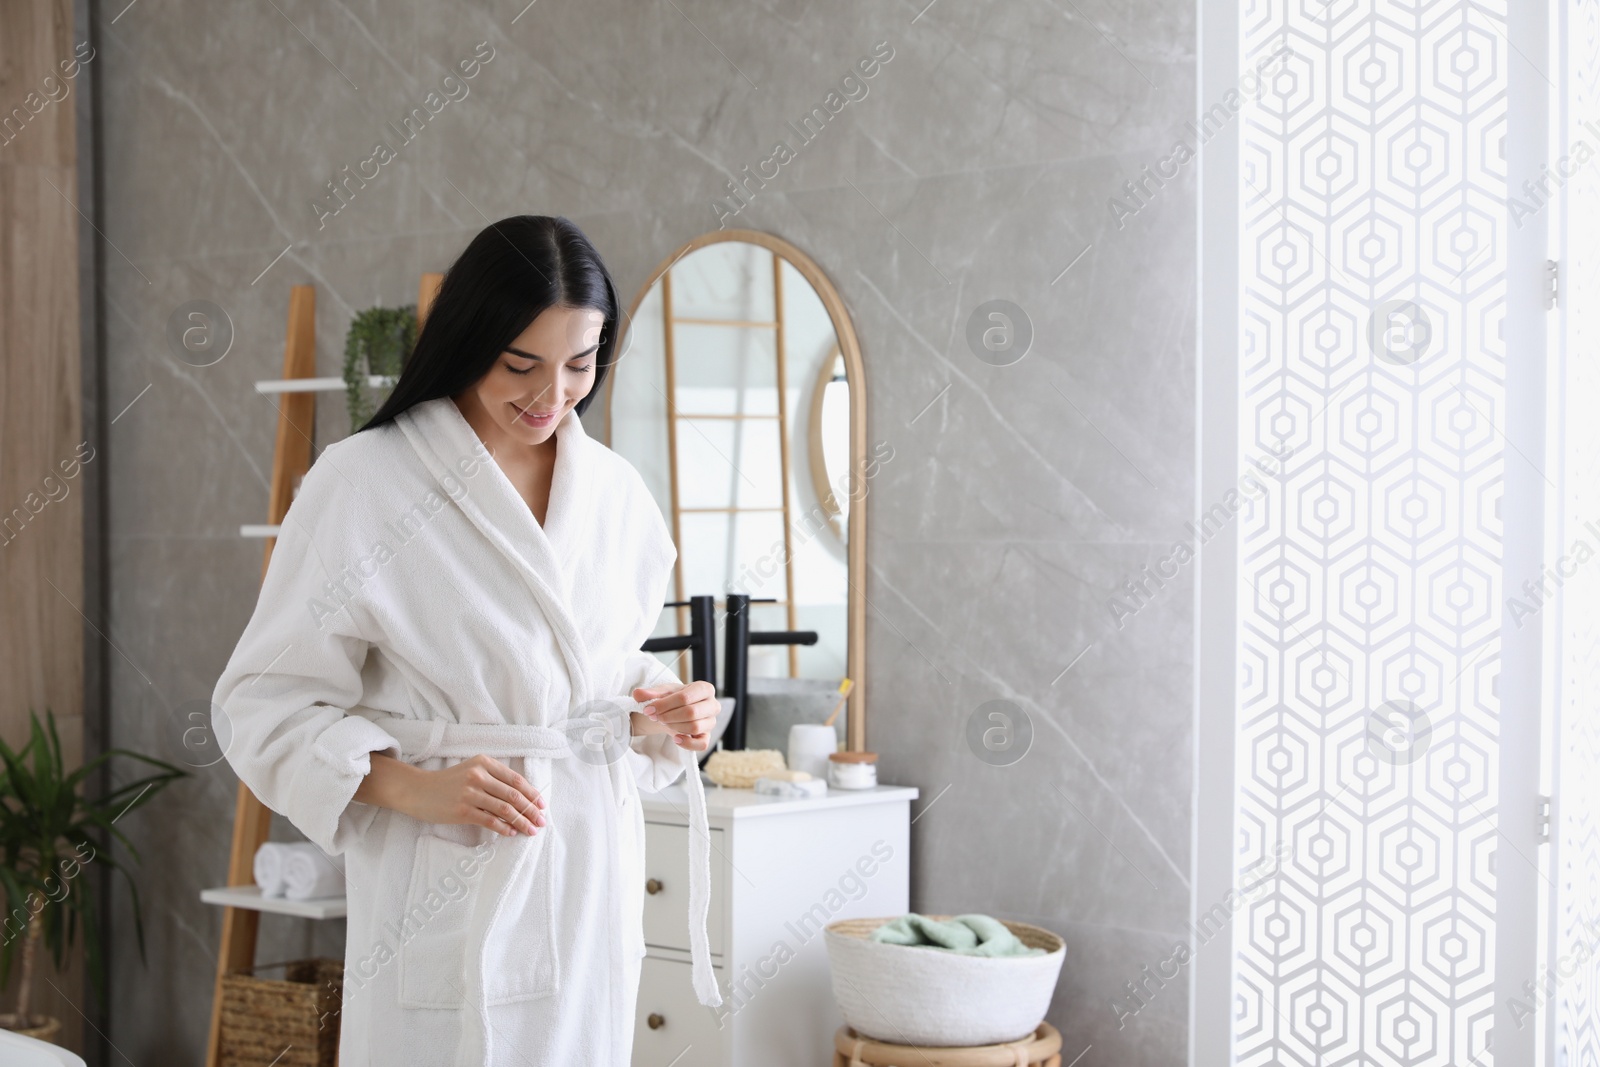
[[319, 385], [249, 897]]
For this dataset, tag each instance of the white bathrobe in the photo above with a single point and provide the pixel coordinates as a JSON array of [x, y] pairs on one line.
[[414, 606]]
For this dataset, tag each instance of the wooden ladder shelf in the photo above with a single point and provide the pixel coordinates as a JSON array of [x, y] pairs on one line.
[[252, 820]]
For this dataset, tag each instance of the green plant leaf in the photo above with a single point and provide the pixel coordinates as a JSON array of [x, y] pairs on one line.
[[379, 341], [46, 823], [107, 823]]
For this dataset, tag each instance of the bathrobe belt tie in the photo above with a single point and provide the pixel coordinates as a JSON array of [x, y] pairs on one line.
[[423, 739]]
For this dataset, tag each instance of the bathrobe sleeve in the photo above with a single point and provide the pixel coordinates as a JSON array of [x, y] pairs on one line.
[[655, 760], [297, 668]]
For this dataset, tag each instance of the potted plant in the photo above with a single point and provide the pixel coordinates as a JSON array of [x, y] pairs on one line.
[[47, 838], [379, 342]]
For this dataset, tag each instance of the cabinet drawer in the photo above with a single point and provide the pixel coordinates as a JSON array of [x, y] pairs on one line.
[[686, 1034], [666, 864]]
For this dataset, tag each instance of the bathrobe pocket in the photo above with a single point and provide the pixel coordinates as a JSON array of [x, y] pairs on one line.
[[446, 878], [451, 887], [520, 957]]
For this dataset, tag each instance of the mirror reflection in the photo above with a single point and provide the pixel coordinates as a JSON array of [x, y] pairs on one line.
[[750, 457]]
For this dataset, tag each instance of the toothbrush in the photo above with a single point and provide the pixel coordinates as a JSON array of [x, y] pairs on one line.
[[844, 691]]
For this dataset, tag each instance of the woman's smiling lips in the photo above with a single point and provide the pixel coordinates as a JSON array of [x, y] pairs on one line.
[[537, 419]]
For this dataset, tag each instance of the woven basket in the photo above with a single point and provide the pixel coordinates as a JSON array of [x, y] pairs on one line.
[[48, 1028], [283, 1022], [911, 995], [1042, 1047]]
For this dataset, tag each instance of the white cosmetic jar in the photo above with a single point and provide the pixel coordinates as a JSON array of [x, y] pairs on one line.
[[853, 770]]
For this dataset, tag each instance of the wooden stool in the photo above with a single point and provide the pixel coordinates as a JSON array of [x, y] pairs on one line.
[[1042, 1047]]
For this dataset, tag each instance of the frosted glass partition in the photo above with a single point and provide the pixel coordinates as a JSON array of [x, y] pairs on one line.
[[1373, 251]]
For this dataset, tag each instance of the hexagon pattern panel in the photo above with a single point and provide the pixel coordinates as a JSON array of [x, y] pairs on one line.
[[1373, 266]]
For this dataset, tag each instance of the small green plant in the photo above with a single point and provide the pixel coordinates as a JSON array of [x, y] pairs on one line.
[[379, 342], [47, 837]]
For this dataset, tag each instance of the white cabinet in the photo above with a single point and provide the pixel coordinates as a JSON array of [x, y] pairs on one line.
[[781, 870], [666, 887]]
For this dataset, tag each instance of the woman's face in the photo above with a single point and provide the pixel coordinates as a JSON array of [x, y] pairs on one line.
[[541, 375]]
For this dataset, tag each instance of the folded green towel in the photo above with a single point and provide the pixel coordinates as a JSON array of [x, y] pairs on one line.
[[970, 935]]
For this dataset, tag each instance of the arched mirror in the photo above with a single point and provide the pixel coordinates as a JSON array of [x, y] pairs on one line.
[[739, 397]]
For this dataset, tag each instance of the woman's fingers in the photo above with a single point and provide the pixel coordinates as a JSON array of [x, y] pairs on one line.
[[691, 712], [479, 817], [699, 724], [499, 798], [683, 697], [484, 770], [694, 703], [514, 780], [697, 731], [505, 812], [498, 811], [694, 742], [692, 723]]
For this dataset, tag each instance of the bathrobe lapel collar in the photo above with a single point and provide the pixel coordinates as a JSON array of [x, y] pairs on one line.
[[566, 518], [441, 436]]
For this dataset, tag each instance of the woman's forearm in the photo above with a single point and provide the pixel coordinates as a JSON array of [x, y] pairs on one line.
[[387, 783], [478, 791]]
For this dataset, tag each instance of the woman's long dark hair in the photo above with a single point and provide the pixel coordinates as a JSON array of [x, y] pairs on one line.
[[511, 272]]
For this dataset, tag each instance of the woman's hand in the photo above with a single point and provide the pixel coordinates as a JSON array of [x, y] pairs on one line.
[[689, 713], [480, 791]]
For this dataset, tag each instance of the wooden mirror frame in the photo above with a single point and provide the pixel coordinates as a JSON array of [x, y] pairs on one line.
[[826, 497], [855, 373]]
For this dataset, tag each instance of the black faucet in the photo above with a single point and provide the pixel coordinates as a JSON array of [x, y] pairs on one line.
[[701, 639], [737, 639], [736, 642]]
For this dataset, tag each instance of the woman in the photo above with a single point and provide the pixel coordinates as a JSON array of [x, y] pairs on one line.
[[436, 679]]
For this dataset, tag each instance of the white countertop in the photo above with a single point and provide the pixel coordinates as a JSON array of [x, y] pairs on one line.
[[747, 803]]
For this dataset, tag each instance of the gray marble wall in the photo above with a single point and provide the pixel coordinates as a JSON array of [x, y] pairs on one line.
[[977, 167]]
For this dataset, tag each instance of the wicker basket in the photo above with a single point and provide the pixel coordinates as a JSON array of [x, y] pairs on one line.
[[1042, 1047], [911, 995], [283, 1022], [48, 1028]]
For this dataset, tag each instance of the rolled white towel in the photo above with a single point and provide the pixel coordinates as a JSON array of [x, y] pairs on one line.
[[310, 873], [268, 868]]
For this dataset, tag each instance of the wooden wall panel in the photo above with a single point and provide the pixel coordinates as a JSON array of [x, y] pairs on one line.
[[41, 515]]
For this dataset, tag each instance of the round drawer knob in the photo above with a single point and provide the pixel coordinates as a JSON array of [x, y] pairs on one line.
[[656, 1020], [653, 886]]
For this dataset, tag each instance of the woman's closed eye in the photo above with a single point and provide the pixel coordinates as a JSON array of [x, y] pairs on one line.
[[585, 369]]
